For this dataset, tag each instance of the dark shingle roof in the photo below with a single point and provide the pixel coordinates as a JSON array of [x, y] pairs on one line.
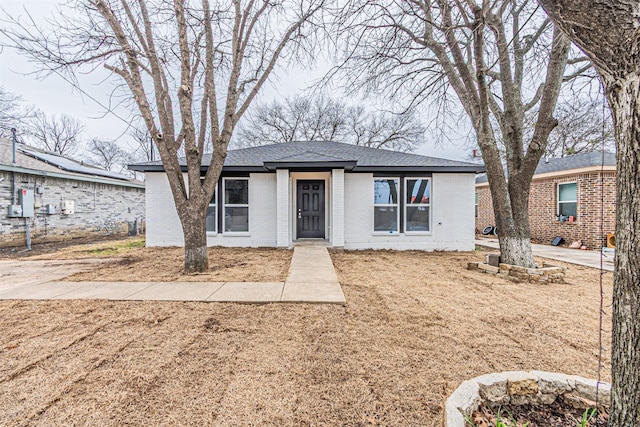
[[576, 161], [310, 153]]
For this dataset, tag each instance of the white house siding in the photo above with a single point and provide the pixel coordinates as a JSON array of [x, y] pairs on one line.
[[163, 223], [452, 210], [337, 207], [283, 212]]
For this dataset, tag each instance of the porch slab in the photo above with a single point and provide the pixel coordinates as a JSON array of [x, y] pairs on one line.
[[248, 292]]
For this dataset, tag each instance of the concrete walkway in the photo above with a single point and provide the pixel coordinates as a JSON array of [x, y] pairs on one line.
[[311, 279], [572, 256]]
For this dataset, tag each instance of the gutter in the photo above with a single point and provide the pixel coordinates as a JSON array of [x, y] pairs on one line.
[[17, 169]]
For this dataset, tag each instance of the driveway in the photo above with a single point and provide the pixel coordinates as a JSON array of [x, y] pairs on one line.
[[572, 256]]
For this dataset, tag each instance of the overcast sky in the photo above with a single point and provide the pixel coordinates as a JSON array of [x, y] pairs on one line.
[[56, 96]]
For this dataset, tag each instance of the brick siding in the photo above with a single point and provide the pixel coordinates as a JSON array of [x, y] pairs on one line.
[[543, 209]]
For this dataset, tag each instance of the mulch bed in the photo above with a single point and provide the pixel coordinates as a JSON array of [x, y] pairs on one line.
[[557, 414]]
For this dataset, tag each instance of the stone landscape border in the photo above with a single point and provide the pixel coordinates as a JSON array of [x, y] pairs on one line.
[[546, 274], [520, 388]]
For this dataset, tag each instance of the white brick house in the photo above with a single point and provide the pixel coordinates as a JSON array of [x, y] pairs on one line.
[[349, 196]]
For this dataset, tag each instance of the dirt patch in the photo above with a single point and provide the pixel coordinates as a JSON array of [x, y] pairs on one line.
[[557, 414], [166, 265], [414, 327]]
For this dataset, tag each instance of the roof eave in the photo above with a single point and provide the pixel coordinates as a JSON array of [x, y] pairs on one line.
[[435, 169], [346, 165]]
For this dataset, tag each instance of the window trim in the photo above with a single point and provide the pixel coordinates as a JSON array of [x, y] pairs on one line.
[[225, 205], [395, 232], [214, 199], [558, 202], [415, 205]]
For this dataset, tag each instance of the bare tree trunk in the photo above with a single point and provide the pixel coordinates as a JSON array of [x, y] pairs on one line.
[[195, 242], [625, 356], [608, 33]]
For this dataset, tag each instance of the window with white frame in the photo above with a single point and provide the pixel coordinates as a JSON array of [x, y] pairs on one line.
[[236, 205], [386, 213], [417, 205], [568, 199], [212, 218]]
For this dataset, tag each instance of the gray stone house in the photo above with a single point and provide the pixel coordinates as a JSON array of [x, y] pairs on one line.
[[48, 197]]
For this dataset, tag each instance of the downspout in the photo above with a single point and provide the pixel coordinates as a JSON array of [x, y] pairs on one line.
[[13, 173]]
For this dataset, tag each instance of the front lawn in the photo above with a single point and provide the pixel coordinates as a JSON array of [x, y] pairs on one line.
[[415, 325]]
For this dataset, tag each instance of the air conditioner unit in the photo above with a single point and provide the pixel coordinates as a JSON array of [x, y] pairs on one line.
[[68, 207]]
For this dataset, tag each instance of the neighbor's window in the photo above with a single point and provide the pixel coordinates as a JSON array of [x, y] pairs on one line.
[[236, 204], [212, 223], [418, 204], [568, 199], [385, 205]]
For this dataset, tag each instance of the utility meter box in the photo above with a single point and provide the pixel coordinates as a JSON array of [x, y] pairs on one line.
[[68, 207], [27, 200], [52, 209], [15, 211]]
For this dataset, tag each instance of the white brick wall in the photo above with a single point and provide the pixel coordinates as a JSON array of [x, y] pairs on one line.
[[451, 208], [282, 210], [337, 207], [163, 223]]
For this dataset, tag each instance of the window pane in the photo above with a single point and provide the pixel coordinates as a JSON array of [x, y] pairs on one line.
[[211, 218], [568, 192], [418, 191], [236, 192], [568, 209], [236, 219], [385, 191], [385, 218], [417, 218]]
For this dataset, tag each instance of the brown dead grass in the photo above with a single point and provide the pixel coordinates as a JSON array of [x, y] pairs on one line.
[[415, 325], [166, 265]]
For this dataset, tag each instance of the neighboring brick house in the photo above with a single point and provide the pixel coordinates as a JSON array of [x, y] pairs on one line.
[[569, 186], [58, 198]]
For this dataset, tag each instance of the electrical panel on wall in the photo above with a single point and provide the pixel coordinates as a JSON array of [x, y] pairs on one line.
[[27, 200], [52, 209], [68, 207]]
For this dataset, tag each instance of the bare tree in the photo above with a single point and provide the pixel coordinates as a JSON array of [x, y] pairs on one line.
[[141, 147], [322, 118], [13, 113], [581, 129], [608, 34], [58, 134], [107, 154], [192, 69], [498, 59]]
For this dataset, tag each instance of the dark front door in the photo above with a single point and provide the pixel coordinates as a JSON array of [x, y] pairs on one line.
[[310, 209]]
